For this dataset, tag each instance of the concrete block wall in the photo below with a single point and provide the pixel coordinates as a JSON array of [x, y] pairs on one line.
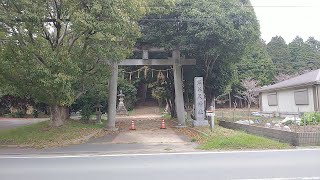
[[309, 138], [296, 139]]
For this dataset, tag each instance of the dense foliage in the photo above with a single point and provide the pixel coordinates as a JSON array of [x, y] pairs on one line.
[[256, 63], [296, 57], [96, 95], [54, 49], [215, 32]]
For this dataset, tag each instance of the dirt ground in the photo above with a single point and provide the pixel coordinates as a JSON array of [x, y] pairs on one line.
[[148, 121]]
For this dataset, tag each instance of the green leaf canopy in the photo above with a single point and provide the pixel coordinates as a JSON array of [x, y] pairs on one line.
[[54, 49], [215, 32]]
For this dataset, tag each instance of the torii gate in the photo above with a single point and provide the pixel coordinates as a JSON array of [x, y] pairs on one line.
[[176, 61]]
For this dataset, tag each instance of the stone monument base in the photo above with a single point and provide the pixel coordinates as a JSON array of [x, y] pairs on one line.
[[200, 123], [122, 110], [180, 126]]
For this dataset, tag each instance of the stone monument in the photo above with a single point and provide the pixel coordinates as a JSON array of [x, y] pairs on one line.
[[121, 110], [199, 100]]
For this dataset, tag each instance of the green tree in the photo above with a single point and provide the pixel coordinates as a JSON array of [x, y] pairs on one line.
[[314, 44], [304, 55], [96, 94], [256, 63], [215, 32], [295, 58], [56, 47], [313, 51], [279, 52], [299, 55]]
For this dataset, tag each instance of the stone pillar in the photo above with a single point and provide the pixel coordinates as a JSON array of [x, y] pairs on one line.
[[199, 103], [178, 88], [112, 99]]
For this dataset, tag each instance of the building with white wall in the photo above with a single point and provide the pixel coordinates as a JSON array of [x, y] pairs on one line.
[[298, 94]]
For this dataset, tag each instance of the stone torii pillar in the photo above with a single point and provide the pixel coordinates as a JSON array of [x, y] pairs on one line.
[[178, 88], [112, 99]]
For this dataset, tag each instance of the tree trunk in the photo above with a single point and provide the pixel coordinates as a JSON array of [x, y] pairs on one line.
[[172, 107], [59, 114], [249, 106], [171, 95], [230, 105], [210, 101]]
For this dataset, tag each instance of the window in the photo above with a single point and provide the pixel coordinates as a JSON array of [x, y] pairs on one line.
[[301, 97], [272, 99]]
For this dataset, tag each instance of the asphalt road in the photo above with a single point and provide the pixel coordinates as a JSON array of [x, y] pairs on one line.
[[291, 164], [10, 123]]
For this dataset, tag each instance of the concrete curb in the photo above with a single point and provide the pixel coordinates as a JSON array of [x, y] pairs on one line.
[[141, 153]]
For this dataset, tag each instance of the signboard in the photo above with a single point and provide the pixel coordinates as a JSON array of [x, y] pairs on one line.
[[210, 113]]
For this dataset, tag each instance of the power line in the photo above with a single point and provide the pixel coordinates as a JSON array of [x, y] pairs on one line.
[[267, 6], [177, 19]]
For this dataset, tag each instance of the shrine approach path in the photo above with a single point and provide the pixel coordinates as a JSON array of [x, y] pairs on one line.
[[147, 120], [148, 137]]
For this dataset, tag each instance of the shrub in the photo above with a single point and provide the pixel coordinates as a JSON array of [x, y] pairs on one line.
[[87, 102], [18, 114], [311, 118], [86, 112]]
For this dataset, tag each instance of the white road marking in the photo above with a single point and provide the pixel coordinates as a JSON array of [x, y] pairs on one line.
[[294, 178], [48, 156]]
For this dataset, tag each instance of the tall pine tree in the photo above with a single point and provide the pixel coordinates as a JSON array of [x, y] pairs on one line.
[[279, 52]]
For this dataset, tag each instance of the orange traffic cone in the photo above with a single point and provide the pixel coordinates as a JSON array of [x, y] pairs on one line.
[[163, 124], [132, 125]]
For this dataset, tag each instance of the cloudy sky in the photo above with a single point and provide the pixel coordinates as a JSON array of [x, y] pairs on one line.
[[288, 18]]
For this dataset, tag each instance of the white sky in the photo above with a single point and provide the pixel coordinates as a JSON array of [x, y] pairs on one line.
[[288, 18]]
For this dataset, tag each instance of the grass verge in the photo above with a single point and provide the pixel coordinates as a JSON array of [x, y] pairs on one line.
[[222, 138], [227, 139], [42, 135]]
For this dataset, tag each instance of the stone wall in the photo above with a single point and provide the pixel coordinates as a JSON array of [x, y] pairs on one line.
[[296, 139]]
